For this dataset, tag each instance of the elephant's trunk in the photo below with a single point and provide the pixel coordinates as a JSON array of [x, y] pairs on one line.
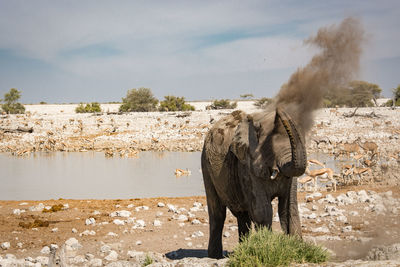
[[296, 166]]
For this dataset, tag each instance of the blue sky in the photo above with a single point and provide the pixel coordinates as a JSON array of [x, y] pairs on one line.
[[94, 50]]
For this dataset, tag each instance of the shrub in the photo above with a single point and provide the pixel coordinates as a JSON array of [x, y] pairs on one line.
[[11, 106], [88, 108], [148, 260], [141, 100], [43, 103], [262, 102], [173, 103], [222, 104], [267, 248], [389, 103]]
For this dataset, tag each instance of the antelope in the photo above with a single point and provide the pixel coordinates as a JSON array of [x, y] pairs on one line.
[[314, 174], [181, 172]]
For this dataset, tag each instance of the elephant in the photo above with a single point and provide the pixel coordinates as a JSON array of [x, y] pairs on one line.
[[247, 160]]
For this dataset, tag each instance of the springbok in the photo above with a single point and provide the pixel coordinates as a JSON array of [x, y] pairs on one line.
[[324, 173]]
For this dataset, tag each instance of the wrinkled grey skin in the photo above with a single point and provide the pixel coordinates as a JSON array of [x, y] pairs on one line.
[[240, 154]]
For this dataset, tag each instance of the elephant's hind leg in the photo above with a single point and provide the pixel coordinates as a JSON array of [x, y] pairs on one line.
[[217, 215]]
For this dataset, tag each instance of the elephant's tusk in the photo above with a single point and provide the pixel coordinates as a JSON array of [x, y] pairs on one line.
[[274, 174]]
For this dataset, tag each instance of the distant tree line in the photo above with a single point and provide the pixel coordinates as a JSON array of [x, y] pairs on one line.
[[356, 94]]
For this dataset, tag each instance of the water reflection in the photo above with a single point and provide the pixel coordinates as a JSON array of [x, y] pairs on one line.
[[92, 175]]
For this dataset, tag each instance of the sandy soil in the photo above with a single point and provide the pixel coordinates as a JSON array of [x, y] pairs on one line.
[[372, 215]]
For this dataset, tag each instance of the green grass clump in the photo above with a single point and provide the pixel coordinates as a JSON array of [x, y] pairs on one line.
[[148, 260], [267, 248]]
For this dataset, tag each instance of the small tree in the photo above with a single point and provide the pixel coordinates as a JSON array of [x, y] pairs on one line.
[[173, 103], [222, 104], [88, 108], [262, 102], [247, 96], [11, 106], [396, 97], [141, 100]]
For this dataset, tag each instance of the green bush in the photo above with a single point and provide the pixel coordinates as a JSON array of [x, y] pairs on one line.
[[148, 260], [88, 108], [222, 104], [141, 100], [389, 103], [173, 103], [262, 102], [267, 248], [11, 106]]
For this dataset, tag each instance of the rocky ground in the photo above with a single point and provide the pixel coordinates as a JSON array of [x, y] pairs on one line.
[[359, 223]]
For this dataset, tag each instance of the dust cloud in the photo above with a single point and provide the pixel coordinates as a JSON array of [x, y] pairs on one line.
[[334, 66]]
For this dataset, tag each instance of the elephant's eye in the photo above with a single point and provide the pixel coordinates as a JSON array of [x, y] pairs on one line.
[[274, 174]]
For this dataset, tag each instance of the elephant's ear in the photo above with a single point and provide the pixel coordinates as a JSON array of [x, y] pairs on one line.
[[250, 133], [249, 140]]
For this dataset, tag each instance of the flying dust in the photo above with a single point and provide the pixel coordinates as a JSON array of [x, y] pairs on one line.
[[336, 64]]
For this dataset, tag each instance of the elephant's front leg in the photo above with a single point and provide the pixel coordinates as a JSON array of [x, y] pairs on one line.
[[244, 224], [288, 208]]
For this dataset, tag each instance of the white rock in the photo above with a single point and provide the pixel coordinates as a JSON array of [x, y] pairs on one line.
[[160, 204], [314, 208], [140, 224], [233, 228], [113, 256], [53, 246], [77, 260], [45, 250], [341, 218], [141, 208], [197, 204], [23, 204], [5, 245], [138, 243], [351, 194], [87, 232], [112, 234], [197, 234], [74, 230], [39, 207], [121, 213], [138, 256], [16, 211], [19, 245], [363, 196], [66, 206], [96, 262], [196, 222], [181, 224], [54, 230], [172, 208], [130, 206], [72, 244], [90, 221], [189, 244], [347, 229], [379, 208], [312, 216], [96, 212], [322, 229], [105, 249], [227, 234], [42, 260], [311, 197], [354, 213], [118, 222], [182, 218], [330, 199], [157, 223]]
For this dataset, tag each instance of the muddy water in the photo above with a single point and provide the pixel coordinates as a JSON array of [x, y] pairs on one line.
[[84, 175]]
